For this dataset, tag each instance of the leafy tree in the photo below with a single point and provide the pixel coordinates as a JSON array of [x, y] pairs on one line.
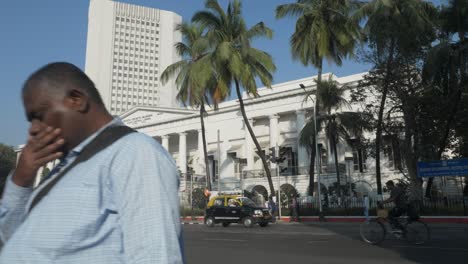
[[323, 30], [445, 69], [198, 198], [234, 59], [7, 163], [393, 28]]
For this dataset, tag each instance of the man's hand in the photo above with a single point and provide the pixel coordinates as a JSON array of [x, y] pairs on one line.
[[42, 147]]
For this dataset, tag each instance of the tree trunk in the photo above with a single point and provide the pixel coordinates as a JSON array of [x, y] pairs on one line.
[[378, 134], [254, 139], [335, 156], [205, 152], [378, 140], [312, 168]]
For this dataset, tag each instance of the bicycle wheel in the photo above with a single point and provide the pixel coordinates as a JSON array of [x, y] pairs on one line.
[[373, 231], [417, 232]]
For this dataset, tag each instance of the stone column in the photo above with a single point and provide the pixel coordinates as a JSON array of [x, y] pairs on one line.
[[301, 151], [165, 142], [183, 152], [201, 156], [249, 146], [274, 133]]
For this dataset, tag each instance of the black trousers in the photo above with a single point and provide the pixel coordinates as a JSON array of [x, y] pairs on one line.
[[394, 214]]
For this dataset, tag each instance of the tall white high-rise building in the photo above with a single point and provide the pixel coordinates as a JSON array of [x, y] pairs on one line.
[[128, 47]]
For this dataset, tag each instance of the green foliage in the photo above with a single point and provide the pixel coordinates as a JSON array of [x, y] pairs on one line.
[[7, 163], [233, 57], [7, 160], [187, 211], [288, 192], [198, 199], [404, 25], [195, 78], [323, 30]]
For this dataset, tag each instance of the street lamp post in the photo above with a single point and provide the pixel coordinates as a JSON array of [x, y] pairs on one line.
[[279, 183], [317, 163], [349, 162]]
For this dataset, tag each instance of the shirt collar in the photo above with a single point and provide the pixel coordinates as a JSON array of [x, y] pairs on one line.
[[75, 151]]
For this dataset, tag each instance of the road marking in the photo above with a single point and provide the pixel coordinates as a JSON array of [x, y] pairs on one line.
[[317, 241], [440, 248], [223, 239]]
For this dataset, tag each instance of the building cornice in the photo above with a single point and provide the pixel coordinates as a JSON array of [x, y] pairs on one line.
[[276, 92]]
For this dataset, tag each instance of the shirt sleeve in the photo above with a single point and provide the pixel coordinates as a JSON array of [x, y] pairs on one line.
[[145, 189], [12, 208]]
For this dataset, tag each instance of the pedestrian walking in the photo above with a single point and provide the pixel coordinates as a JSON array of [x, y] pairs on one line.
[[295, 209], [366, 206], [112, 198]]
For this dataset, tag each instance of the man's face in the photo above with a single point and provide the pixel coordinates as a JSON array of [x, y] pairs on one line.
[[45, 109]]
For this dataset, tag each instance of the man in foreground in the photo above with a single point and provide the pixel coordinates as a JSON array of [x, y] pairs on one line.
[[118, 204]]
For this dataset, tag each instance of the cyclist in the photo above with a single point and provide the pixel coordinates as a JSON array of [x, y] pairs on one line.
[[398, 197]]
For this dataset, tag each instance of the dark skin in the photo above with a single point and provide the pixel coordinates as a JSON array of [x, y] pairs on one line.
[[60, 120]]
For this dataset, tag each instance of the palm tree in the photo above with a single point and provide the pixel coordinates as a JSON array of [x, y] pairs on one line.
[[338, 126], [445, 65], [234, 59], [324, 30], [195, 79], [393, 28]]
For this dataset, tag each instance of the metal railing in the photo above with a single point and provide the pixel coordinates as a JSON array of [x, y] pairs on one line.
[[293, 171], [354, 206]]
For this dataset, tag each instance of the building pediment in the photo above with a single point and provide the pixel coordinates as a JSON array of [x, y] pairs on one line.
[[141, 116]]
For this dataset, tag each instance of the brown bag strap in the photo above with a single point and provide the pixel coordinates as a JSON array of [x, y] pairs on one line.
[[103, 140]]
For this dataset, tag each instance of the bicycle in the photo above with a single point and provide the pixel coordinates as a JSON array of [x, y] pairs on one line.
[[374, 231]]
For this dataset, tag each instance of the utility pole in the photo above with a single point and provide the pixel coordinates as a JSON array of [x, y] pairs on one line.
[[317, 157], [279, 180], [277, 156]]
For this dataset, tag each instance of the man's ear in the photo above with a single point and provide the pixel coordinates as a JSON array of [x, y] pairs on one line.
[[78, 100]]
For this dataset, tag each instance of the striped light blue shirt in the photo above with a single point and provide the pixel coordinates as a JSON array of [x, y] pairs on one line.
[[120, 206]]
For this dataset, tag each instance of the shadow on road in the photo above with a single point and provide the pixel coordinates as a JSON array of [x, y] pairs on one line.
[[448, 242]]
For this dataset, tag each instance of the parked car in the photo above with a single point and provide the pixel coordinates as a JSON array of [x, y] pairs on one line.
[[228, 209]]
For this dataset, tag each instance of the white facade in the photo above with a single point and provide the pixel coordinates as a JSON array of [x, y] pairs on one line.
[[128, 47], [277, 117]]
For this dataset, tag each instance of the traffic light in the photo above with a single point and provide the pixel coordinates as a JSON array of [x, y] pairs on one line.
[[273, 154], [282, 154]]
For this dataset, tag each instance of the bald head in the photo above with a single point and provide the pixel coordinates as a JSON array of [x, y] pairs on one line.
[[60, 96], [59, 77]]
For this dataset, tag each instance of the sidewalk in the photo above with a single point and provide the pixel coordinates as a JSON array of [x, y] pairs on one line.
[[348, 219]]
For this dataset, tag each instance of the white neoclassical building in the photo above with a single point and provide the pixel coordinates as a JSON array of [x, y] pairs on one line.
[[277, 116]]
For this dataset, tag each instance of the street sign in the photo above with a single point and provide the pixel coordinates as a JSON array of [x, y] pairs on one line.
[[454, 167]]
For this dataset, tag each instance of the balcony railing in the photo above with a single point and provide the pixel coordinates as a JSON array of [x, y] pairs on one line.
[[293, 171]]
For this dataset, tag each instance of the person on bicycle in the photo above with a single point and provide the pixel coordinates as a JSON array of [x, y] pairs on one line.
[[398, 197]]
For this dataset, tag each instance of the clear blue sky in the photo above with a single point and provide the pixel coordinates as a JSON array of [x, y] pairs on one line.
[[34, 33]]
